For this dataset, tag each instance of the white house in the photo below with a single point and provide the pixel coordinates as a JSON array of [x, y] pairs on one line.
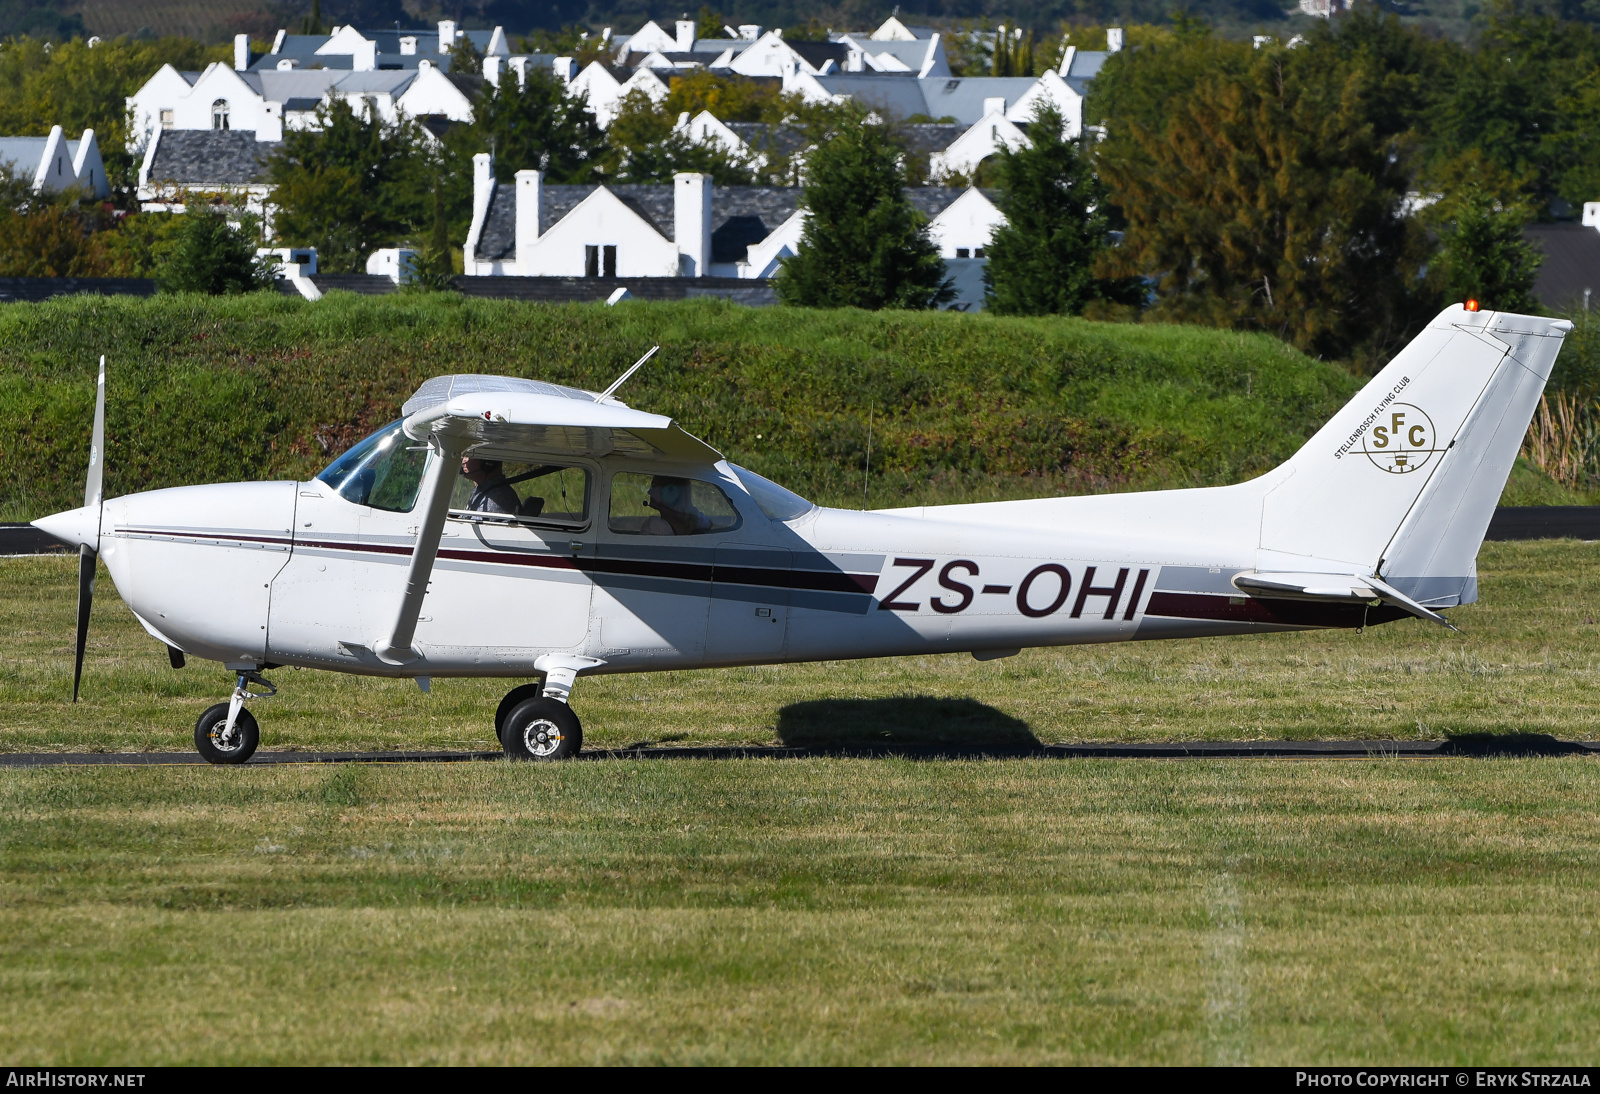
[[183, 167], [368, 50], [689, 229], [266, 101], [54, 163], [918, 57], [985, 138], [604, 87], [770, 55]]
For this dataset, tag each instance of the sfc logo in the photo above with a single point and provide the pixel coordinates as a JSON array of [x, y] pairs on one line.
[[1402, 441]]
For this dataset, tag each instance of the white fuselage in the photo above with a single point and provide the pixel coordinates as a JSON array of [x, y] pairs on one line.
[[292, 573]]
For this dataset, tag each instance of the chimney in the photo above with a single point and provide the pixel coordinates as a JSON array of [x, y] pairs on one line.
[[994, 106], [691, 223], [241, 52], [519, 65], [447, 34], [749, 31], [529, 194], [565, 68], [270, 127], [491, 69], [1113, 39], [685, 28]]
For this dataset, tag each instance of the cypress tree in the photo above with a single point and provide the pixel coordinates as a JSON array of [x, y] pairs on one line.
[[864, 246], [1041, 261], [1485, 258]]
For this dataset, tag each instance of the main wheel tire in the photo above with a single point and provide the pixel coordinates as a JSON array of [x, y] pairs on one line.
[[541, 729], [239, 748], [514, 699]]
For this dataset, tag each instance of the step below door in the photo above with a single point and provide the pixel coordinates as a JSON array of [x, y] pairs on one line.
[[749, 603]]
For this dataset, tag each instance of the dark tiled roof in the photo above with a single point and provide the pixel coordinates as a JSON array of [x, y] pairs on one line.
[[498, 240], [926, 138], [930, 201], [557, 201], [1571, 263], [654, 203], [210, 156], [782, 140], [817, 53], [745, 215]]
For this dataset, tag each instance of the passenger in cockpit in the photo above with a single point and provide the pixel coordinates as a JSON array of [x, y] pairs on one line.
[[493, 494], [669, 497]]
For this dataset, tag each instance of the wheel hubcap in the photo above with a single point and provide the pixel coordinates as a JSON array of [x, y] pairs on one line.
[[541, 736], [223, 738]]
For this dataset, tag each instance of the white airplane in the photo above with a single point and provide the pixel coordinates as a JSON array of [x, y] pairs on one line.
[[608, 540]]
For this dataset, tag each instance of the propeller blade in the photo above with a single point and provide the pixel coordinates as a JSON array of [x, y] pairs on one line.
[[87, 557], [93, 489]]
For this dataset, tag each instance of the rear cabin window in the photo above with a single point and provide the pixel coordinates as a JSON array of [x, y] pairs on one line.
[[511, 490], [665, 505]]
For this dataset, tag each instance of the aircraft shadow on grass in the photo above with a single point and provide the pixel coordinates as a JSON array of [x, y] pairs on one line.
[[1508, 744], [915, 722]]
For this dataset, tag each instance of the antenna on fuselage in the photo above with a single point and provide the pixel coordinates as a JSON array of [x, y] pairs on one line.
[[620, 380]]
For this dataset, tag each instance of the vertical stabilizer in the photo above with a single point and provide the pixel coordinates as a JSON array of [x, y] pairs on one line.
[[1406, 476]]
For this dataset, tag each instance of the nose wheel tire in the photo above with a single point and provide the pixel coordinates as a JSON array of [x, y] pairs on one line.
[[234, 748], [541, 729]]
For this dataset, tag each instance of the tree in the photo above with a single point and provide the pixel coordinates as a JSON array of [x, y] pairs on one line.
[[708, 23], [1041, 261], [212, 256], [465, 60], [351, 186], [1266, 191], [863, 245], [646, 146], [538, 127], [1485, 257]]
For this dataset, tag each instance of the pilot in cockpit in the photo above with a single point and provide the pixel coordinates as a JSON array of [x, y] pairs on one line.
[[677, 515], [493, 494]]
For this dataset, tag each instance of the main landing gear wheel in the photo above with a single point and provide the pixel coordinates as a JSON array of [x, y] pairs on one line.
[[541, 729], [219, 748], [514, 699]]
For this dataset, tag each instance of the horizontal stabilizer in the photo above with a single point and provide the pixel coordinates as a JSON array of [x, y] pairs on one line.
[[1332, 588]]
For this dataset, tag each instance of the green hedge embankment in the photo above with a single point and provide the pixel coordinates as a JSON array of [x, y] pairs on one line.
[[961, 406]]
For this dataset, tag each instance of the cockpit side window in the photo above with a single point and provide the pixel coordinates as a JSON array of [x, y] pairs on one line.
[[668, 505], [514, 491], [384, 471]]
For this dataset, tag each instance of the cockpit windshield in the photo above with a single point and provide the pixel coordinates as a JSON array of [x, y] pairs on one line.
[[384, 471], [770, 498]]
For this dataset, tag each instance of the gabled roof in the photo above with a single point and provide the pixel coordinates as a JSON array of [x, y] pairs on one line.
[[929, 137], [22, 154], [962, 97], [930, 201], [891, 95], [743, 216], [1571, 263], [783, 140], [210, 157], [816, 54], [380, 82]]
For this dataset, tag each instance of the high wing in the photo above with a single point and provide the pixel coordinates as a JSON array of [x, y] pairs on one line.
[[489, 416]]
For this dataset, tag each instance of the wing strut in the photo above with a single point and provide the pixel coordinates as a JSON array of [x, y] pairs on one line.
[[396, 648]]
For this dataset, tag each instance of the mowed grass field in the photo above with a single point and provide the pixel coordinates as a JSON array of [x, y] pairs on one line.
[[822, 910]]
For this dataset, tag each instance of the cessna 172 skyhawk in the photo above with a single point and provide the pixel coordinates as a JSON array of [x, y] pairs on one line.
[[610, 540]]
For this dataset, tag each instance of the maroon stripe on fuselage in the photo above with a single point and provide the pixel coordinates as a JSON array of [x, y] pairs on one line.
[[1284, 613], [810, 580]]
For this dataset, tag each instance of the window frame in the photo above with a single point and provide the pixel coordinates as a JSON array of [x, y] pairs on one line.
[[592, 477], [730, 495]]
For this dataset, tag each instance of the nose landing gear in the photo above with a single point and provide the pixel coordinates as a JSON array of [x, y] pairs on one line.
[[227, 733]]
